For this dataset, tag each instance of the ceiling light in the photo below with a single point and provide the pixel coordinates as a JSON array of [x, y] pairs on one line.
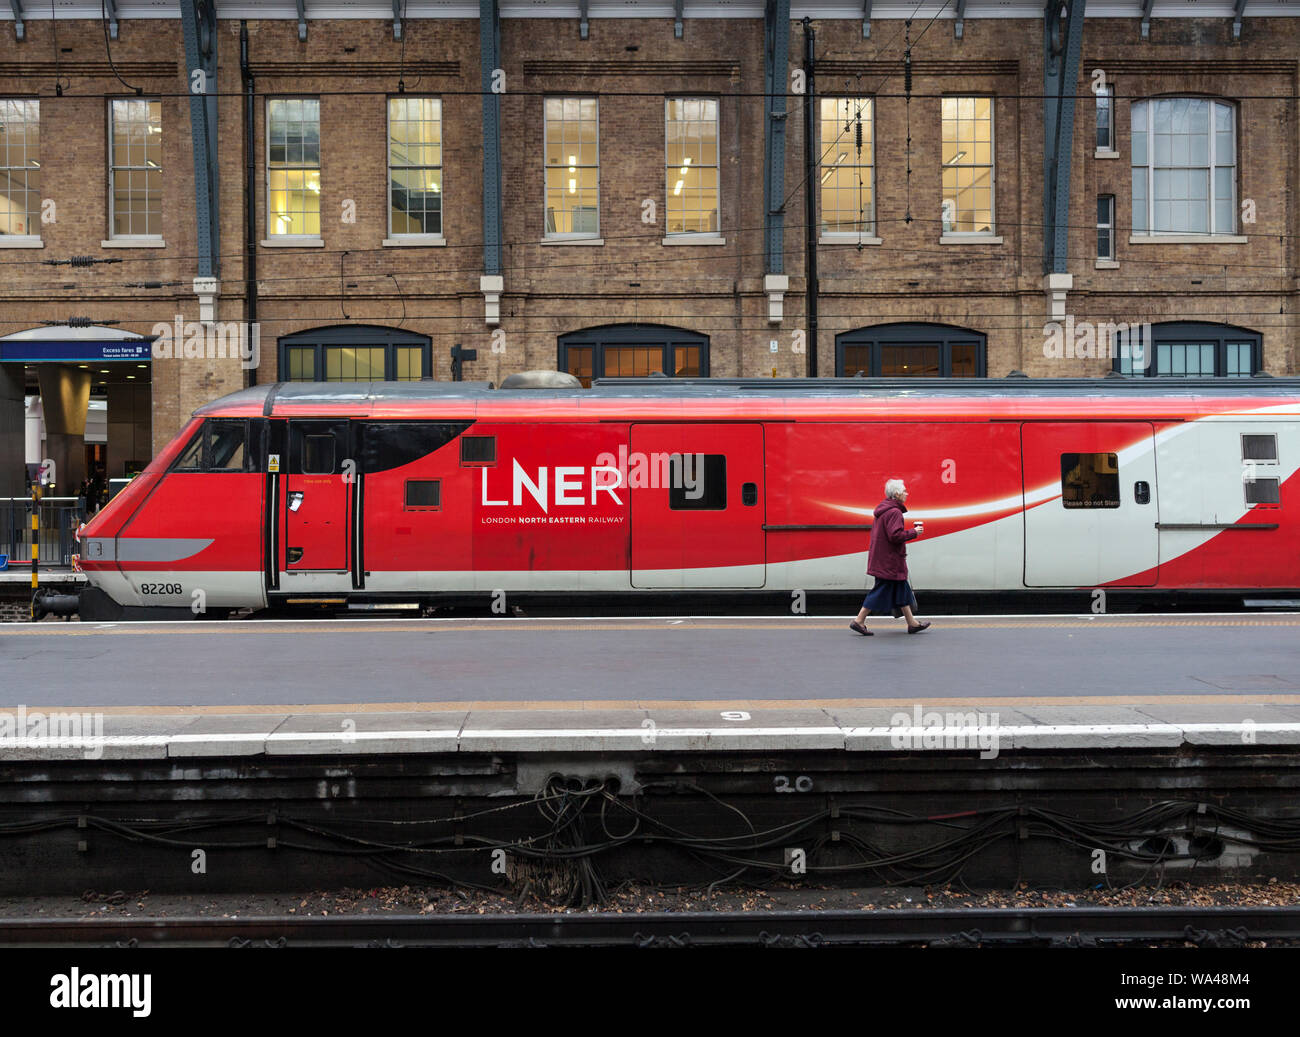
[[956, 158], [678, 188]]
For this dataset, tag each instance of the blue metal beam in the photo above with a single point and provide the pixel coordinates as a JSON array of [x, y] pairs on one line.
[[583, 27], [679, 10], [1146, 18], [1062, 46], [302, 20], [110, 8], [489, 39], [959, 27], [20, 26], [1237, 12], [397, 19], [199, 23], [866, 19], [777, 52]]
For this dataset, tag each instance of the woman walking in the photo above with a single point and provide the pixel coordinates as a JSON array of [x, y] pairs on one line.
[[887, 562]]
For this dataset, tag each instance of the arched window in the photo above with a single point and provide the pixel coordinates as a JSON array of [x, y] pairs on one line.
[[634, 351], [911, 351], [1184, 166], [355, 353], [1190, 349]]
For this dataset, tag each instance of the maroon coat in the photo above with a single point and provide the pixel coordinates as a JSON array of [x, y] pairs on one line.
[[887, 557]]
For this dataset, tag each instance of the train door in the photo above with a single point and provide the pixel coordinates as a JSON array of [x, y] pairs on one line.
[[697, 506], [317, 497], [1090, 504]]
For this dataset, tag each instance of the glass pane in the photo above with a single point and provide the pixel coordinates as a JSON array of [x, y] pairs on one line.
[[857, 361], [687, 362], [964, 358], [909, 361], [579, 358], [633, 361], [1090, 480]]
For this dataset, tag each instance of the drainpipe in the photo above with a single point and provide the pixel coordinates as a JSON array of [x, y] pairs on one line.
[[250, 188]]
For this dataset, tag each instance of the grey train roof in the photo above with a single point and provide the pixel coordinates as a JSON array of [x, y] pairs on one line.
[[731, 388]]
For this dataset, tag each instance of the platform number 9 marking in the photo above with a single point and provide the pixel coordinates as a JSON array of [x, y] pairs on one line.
[[803, 783]]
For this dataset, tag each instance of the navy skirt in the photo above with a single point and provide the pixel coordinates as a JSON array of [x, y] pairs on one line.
[[889, 594]]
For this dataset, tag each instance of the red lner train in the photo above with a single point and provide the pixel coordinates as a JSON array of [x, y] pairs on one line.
[[419, 492]]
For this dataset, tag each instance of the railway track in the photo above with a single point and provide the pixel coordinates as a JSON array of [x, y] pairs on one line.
[[1043, 927]]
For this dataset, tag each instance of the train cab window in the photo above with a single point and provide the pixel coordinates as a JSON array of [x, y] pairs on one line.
[[1259, 448], [697, 482], [478, 450], [317, 455], [227, 446], [1262, 491], [1090, 480], [423, 494], [191, 458]]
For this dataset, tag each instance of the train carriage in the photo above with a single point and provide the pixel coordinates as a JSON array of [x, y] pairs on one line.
[[348, 494]]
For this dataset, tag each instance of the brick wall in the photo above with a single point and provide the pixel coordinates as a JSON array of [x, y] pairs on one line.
[[718, 290]]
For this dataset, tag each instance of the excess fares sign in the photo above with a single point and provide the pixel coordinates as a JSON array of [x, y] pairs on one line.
[[46, 351]]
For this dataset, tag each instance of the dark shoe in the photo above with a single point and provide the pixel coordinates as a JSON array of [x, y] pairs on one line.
[[859, 628], [898, 613], [918, 628]]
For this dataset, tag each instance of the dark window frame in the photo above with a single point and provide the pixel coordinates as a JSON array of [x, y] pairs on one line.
[[677, 499], [368, 336], [668, 338], [1203, 333], [254, 447], [470, 463], [1277, 492], [406, 490], [912, 333]]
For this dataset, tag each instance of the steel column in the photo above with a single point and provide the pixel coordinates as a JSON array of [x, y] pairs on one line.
[[199, 22], [489, 34], [1062, 46], [776, 74], [20, 26]]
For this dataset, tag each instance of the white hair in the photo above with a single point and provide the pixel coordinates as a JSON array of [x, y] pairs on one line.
[[893, 488]]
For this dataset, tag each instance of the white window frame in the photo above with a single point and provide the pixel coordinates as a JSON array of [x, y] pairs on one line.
[[1106, 150], [981, 236], [575, 236], [272, 239], [695, 237], [1149, 232], [1107, 227], [858, 237], [28, 240], [439, 238], [114, 238]]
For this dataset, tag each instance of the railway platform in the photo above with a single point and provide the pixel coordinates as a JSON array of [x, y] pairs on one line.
[[694, 748]]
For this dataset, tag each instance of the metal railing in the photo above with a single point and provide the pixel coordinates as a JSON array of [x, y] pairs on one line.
[[59, 518]]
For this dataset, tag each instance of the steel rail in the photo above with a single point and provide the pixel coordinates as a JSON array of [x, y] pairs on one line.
[[1065, 926]]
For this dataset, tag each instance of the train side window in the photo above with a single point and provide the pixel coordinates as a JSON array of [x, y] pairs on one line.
[[697, 482], [1090, 480], [478, 450], [191, 458], [227, 446], [1259, 448], [317, 455], [1262, 491], [423, 495]]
